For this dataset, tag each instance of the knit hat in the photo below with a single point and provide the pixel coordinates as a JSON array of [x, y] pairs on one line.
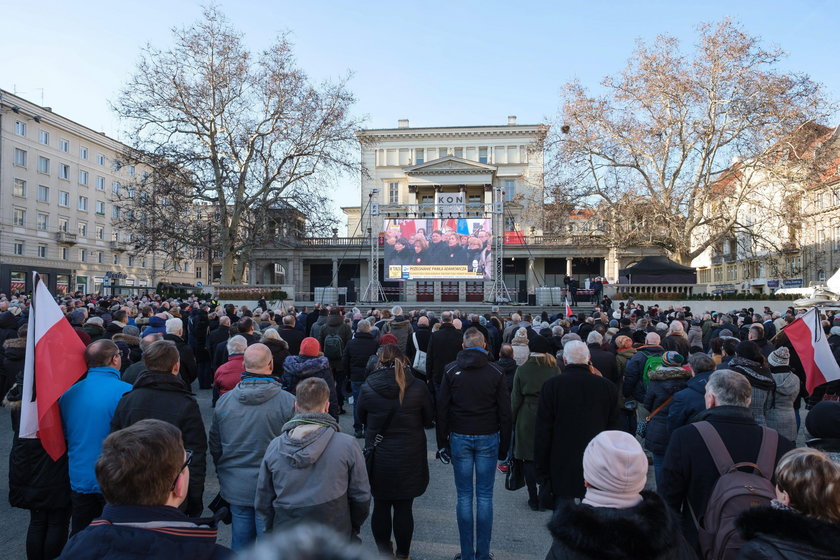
[[131, 330], [388, 339], [520, 337], [77, 317], [614, 323], [616, 468], [779, 357], [823, 421], [309, 347], [672, 359], [95, 321]]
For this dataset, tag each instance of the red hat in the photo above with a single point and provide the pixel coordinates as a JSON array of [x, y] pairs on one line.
[[309, 347], [387, 339]]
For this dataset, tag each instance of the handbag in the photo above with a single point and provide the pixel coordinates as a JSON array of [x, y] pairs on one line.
[[419, 356], [369, 452], [515, 477], [641, 427]]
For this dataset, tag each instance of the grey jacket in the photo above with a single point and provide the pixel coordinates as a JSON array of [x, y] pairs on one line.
[[245, 421], [779, 412], [312, 472]]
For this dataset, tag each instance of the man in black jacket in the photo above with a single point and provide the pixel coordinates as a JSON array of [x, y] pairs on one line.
[[359, 350], [422, 335], [174, 333], [160, 393], [291, 334], [444, 346], [218, 335], [602, 360], [474, 427]]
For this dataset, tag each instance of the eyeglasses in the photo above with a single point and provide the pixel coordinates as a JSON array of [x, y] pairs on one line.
[[186, 464]]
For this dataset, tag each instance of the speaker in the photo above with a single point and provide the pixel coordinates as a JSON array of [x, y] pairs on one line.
[[532, 299]]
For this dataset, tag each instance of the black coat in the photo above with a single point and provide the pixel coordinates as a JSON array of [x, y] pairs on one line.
[[664, 383], [443, 349], [604, 361], [8, 326], [189, 369], [773, 534], [401, 468], [165, 397], [357, 353], [293, 338], [424, 336], [216, 336], [279, 353], [649, 530], [12, 354], [689, 473], [199, 325], [574, 407]]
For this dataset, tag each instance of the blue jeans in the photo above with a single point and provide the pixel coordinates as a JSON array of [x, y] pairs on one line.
[[658, 461], [478, 453], [245, 527], [356, 387]]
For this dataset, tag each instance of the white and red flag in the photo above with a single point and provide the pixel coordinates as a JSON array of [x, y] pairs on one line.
[[811, 345], [54, 361], [568, 308]]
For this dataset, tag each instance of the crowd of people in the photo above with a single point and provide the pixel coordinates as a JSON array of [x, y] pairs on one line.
[[579, 407]]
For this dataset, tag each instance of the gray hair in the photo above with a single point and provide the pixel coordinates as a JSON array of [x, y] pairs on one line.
[[313, 541], [396, 310], [224, 321], [730, 388], [363, 327], [701, 362], [595, 338], [474, 337], [237, 345], [652, 338], [557, 330], [576, 352], [174, 326], [567, 338], [147, 340], [271, 334]]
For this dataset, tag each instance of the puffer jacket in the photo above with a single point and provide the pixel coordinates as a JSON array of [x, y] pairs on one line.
[[279, 352], [401, 328], [664, 383], [774, 534], [133, 343], [312, 472], [155, 325], [246, 419], [298, 368]]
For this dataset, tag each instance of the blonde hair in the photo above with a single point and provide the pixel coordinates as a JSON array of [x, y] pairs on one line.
[[545, 360], [391, 356], [812, 481]]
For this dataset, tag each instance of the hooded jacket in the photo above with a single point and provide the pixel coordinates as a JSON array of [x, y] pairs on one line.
[[762, 383], [246, 419], [664, 383], [648, 530], [156, 325], [357, 353], [312, 472], [774, 534], [133, 343], [401, 328], [229, 374], [298, 368], [166, 397], [688, 402]]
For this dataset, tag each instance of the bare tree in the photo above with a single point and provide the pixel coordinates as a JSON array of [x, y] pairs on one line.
[[241, 132], [654, 151]]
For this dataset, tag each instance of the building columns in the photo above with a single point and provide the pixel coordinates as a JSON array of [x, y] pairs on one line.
[[568, 266], [335, 273]]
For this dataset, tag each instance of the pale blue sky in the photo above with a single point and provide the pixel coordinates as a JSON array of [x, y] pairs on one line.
[[433, 62]]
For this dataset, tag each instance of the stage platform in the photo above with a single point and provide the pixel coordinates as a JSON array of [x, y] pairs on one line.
[[463, 306]]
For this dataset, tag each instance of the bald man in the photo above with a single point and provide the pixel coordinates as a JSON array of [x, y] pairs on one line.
[[246, 419]]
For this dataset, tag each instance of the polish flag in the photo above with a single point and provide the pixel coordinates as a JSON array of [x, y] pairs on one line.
[[568, 309], [54, 361], [811, 345]]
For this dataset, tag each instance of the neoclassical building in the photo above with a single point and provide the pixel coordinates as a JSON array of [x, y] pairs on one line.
[[492, 171]]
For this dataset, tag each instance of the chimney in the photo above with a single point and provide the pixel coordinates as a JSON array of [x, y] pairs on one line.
[[402, 123], [511, 120]]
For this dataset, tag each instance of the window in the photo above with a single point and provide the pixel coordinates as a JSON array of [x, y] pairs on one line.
[[100, 232], [20, 188], [42, 251], [100, 207], [199, 253], [43, 193], [43, 165], [64, 253], [718, 273], [510, 224], [837, 238], [131, 171], [100, 183], [20, 157], [83, 255], [482, 154], [44, 137], [116, 258], [63, 171], [18, 247], [64, 145], [115, 212], [129, 192], [83, 152], [459, 152], [63, 198], [83, 177], [418, 156], [393, 193], [510, 190], [99, 257], [143, 263], [20, 128], [82, 229], [130, 260], [198, 272], [100, 159], [20, 217], [115, 188], [83, 203], [63, 224], [43, 221]]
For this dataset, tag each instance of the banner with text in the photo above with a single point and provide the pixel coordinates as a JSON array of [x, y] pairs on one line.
[[438, 249]]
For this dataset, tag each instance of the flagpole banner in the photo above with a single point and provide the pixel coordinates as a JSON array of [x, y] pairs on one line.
[[54, 362], [808, 338], [438, 249]]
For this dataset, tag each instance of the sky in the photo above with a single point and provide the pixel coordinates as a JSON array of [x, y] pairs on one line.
[[436, 63]]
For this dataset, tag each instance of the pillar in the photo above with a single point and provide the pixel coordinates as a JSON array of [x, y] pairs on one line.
[[335, 273], [611, 265], [529, 274], [568, 266]]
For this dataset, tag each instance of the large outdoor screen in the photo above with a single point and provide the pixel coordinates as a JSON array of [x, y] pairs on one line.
[[438, 249]]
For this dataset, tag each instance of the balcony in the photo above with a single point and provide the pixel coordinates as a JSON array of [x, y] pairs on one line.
[[727, 258], [66, 238], [119, 246]]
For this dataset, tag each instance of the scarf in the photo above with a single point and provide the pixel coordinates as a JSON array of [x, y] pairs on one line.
[[600, 498]]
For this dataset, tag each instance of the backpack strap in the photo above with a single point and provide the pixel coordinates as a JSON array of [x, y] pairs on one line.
[[767, 452], [717, 449]]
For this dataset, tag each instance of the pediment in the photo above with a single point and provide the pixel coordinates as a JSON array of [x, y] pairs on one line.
[[450, 164]]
